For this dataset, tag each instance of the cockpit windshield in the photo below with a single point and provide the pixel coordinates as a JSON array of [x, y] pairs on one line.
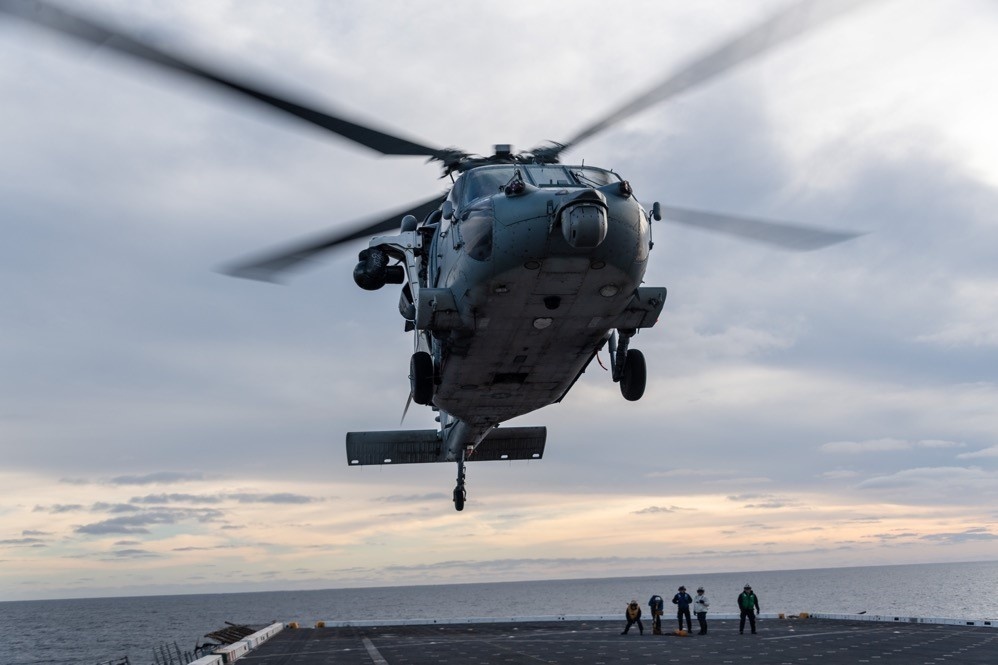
[[490, 180], [549, 175], [556, 175]]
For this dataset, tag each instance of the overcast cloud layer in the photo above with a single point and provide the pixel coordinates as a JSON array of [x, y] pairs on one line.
[[168, 429]]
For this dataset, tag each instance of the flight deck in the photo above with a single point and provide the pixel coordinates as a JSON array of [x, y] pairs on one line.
[[792, 640]]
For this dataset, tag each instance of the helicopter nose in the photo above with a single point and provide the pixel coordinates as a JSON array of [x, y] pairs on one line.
[[583, 219], [584, 225]]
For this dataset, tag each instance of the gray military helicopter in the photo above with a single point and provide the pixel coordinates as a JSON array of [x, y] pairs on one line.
[[515, 278]]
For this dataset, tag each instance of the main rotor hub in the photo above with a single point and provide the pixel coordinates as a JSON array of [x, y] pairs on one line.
[[454, 160]]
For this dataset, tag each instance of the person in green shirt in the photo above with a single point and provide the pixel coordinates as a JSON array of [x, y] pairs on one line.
[[748, 605]]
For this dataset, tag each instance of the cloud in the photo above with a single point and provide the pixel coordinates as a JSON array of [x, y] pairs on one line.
[[177, 498], [280, 497], [839, 474], [410, 515], [103, 507], [21, 541], [982, 453], [518, 563], [137, 524], [911, 477], [775, 503], [652, 510], [973, 321], [134, 554], [908, 535], [59, 508], [746, 497], [238, 497], [969, 535], [74, 481], [758, 526], [769, 501], [928, 485], [158, 478], [414, 498], [739, 481], [885, 445]]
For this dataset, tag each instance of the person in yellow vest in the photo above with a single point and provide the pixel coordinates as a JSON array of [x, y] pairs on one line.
[[633, 616]]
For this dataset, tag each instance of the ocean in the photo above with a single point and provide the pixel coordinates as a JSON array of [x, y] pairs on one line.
[[89, 631]]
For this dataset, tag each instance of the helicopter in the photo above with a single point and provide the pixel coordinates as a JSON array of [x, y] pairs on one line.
[[514, 279]]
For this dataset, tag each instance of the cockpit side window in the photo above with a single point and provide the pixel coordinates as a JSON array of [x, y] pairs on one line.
[[485, 181], [594, 177]]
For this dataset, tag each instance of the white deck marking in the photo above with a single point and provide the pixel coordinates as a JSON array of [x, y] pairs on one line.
[[373, 652], [833, 632]]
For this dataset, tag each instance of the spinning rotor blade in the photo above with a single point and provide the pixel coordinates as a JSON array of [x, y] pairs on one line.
[[267, 267], [773, 32], [92, 32], [780, 234]]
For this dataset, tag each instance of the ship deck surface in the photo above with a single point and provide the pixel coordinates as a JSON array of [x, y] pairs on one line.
[[791, 641]]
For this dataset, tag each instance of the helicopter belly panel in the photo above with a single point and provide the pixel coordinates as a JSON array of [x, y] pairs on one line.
[[535, 332]]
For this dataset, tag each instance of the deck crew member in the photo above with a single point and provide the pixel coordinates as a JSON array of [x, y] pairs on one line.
[[682, 601], [748, 605], [700, 605], [633, 616], [656, 605]]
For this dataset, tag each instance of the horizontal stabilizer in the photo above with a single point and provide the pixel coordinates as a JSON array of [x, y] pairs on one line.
[[418, 446], [509, 443], [413, 446]]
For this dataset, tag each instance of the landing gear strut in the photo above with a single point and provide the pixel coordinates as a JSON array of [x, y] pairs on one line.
[[460, 493]]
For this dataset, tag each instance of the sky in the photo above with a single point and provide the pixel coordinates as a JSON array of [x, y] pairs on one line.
[[168, 429]]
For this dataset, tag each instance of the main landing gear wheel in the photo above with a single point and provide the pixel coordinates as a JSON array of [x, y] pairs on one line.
[[632, 382], [421, 377]]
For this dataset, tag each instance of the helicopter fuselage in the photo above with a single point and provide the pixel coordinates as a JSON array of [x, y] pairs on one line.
[[528, 270]]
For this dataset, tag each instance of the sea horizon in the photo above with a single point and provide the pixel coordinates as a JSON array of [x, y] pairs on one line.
[[330, 586]]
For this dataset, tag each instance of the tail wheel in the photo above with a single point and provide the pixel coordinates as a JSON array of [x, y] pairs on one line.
[[632, 383], [421, 377]]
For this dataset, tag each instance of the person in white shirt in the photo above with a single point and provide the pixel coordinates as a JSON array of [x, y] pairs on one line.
[[700, 605]]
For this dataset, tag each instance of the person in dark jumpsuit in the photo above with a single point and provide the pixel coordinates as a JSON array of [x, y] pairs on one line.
[[656, 605], [682, 601]]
